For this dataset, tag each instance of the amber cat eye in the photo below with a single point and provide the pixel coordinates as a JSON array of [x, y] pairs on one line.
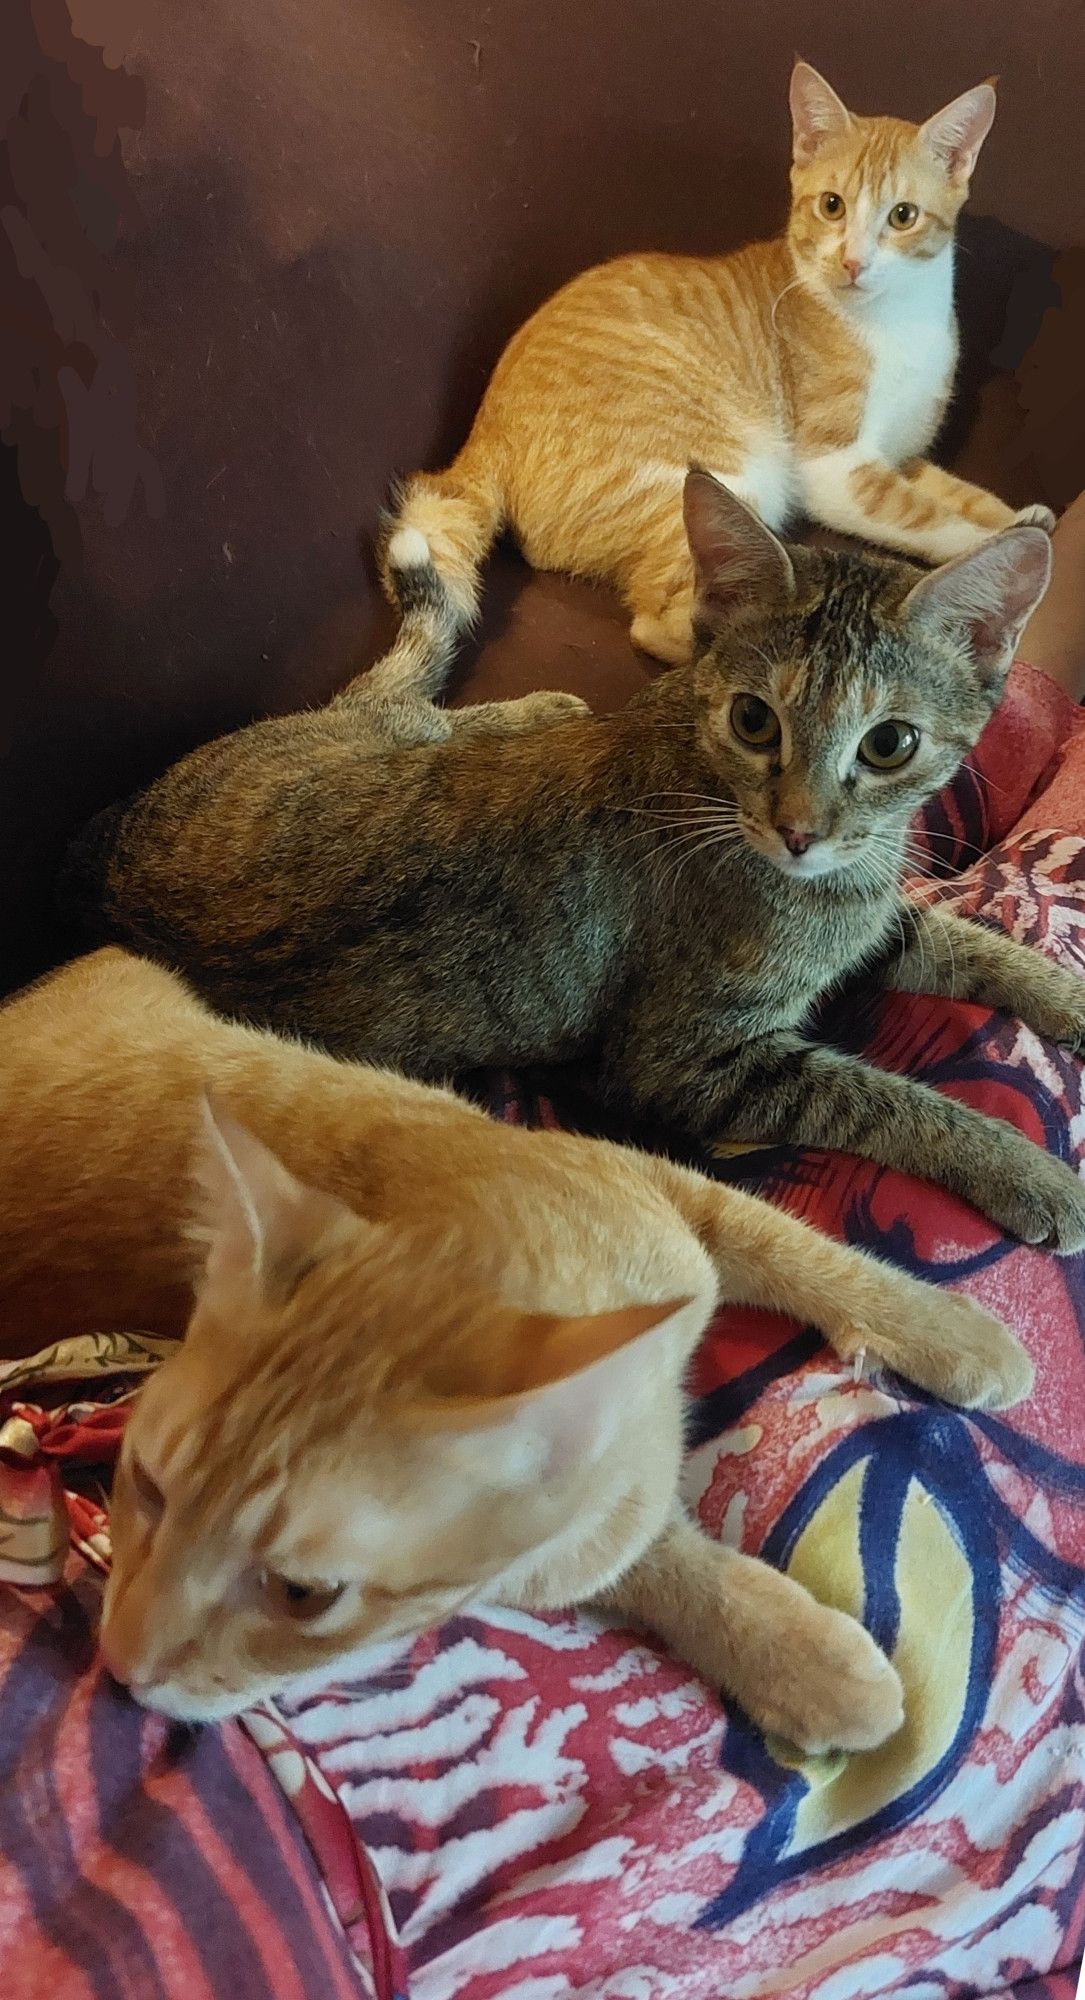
[[888, 746], [832, 206], [902, 215], [754, 722], [299, 1600]]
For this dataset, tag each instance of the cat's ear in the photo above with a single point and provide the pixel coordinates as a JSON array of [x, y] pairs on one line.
[[817, 114], [981, 601], [737, 561], [956, 134], [544, 1392], [258, 1221]]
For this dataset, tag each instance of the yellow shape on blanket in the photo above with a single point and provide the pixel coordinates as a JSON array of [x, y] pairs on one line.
[[932, 1653]]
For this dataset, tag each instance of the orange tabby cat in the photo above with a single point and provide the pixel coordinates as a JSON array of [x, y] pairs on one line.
[[809, 373], [430, 1357]]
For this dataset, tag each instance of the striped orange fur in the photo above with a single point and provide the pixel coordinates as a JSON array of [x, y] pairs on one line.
[[810, 373]]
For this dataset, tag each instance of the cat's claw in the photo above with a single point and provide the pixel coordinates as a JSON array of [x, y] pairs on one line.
[[948, 1345], [1035, 517], [1045, 1206]]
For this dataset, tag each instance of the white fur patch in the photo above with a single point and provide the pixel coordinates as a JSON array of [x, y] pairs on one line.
[[767, 482], [409, 549], [908, 328], [829, 498]]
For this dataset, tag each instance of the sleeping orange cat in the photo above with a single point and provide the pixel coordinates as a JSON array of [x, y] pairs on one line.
[[430, 1358], [810, 374]]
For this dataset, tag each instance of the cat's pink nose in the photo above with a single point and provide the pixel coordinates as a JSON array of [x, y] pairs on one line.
[[797, 838], [854, 266]]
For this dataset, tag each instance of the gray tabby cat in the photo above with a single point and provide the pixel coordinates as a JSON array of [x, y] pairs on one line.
[[668, 891]]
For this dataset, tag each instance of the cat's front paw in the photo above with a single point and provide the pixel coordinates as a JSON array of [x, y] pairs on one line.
[[1066, 1026], [830, 1688], [552, 705], [1039, 1201], [948, 1345], [1035, 517]]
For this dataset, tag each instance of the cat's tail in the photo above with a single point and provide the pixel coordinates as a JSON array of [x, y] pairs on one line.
[[81, 884], [437, 534]]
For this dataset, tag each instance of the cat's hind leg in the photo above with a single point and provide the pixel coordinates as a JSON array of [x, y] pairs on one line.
[[916, 508], [660, 589]]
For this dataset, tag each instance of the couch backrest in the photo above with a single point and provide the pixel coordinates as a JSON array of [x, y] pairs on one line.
[[347, 209]]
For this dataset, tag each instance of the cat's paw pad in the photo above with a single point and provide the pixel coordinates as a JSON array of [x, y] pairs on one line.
[[836, 1689], [1035, 517], [954, 1349]]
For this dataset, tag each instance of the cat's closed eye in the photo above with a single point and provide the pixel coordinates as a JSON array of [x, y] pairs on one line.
[[298, 1600]]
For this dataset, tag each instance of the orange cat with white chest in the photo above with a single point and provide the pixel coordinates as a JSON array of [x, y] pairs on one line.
[[809, 373], [430, 1358]]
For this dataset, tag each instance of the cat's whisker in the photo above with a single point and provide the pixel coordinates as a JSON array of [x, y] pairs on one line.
[[685, 823], [760, 651], [725, 839], [703, 798], [686, 812], [780, 296]]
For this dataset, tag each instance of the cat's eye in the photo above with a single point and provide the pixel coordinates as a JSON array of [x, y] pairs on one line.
[[298, 1600], [888, 746], [902, 215], [754, 722], [831, 206], [150, 1496]]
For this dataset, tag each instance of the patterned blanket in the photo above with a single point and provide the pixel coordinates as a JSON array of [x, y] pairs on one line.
[[553, 1808]]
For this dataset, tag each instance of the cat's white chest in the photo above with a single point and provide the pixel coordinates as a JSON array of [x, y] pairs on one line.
[[912, 344]]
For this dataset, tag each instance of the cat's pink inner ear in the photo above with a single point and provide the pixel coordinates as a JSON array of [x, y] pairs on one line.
[[508, 1355], [561, 1383], [817, 113], [552, 1349], [983, 600], [593, 1365], [736, 559], [955, 134]]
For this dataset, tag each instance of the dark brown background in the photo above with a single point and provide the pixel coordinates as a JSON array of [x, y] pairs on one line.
[[348, 205]]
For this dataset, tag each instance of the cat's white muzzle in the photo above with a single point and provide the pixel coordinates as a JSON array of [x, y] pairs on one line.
[[822, 858]]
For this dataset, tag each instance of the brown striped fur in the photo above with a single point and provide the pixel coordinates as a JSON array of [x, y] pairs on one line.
[[522, 883], [804, 389]]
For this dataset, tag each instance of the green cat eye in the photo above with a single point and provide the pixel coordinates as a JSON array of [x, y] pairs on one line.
[[832, 206], [754, 722], [299, 1600], [889, 745], [902, 215]]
